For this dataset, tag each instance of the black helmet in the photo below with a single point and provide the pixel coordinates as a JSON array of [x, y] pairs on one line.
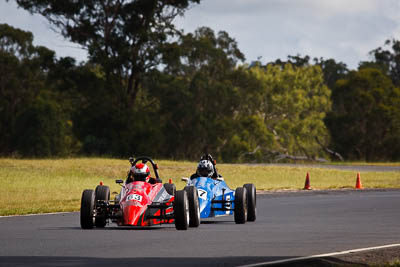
[[205, 168]]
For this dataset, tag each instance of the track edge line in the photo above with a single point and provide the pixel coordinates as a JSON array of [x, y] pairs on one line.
[[319, 256]]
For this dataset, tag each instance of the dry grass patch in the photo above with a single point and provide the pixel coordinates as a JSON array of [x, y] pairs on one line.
[[39, 186]]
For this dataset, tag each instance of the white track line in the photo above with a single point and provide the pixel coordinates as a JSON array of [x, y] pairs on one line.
[[39, 214], [319, 256]]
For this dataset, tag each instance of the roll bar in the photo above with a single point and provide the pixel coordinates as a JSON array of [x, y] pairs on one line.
[[144, 160]]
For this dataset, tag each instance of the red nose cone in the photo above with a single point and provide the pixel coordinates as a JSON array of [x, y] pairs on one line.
[[132, 215]]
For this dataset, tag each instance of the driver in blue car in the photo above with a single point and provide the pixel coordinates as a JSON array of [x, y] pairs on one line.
[[206, 168]]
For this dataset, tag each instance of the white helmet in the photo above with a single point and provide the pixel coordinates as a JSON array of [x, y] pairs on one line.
[[141, 172], [205, 168]]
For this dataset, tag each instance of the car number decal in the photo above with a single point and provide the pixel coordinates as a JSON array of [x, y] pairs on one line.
[[135, 197], [202, 194]]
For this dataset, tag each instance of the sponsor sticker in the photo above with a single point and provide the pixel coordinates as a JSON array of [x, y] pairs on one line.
[[202, 194], [134, 203], [134, 197], [228, 204]]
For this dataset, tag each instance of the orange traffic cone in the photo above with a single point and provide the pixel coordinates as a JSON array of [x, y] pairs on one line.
[[170, 181], [358, 182], [307, 183]]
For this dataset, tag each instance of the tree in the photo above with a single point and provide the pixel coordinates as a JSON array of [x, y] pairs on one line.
[[296, 60], [21, 77], [123, 36], [295, 104], [205, 100], [41, 129], [364, 122], [239, 113], [202, 49], [34, 114], [387, 60], [332, 70]]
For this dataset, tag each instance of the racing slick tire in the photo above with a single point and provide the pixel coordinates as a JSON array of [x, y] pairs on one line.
[[181, 210], [194, 206], [240, 212], [87, 209], [251, 202], [171, 189], [102, 193]]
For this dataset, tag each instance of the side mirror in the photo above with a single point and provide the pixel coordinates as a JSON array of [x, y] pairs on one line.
[[185, 179], [119, 181], [131, 160]]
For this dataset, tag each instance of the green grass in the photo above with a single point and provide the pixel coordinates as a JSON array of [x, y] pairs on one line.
[[40, 186]]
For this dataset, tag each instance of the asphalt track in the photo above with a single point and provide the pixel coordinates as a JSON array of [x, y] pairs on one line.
[[288, 225]]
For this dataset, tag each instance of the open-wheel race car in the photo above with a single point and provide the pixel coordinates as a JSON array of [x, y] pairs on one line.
[[140, 203], [217, 199]]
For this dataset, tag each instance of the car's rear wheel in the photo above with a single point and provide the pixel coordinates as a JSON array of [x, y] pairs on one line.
[[181, 210], [251, 202], [87, 209], [171, 189], [102, 194], [194, 207], [240, 212]]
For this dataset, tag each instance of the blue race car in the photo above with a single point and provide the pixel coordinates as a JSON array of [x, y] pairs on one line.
[[215, 199]]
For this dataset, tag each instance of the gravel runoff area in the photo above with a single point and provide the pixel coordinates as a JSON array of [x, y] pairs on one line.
[[378, 257], [389, 256]]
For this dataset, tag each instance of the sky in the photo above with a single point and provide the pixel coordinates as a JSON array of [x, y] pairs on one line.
[[345, 30]]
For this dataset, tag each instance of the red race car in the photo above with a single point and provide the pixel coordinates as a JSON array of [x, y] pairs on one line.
[[140, 203]]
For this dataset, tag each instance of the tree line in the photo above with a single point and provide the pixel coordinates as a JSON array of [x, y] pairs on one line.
[[149, 88]]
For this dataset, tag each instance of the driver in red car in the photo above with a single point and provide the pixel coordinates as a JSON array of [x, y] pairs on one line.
[[141, 172]]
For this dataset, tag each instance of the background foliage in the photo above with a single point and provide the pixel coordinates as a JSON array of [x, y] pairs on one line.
[[148, 88]]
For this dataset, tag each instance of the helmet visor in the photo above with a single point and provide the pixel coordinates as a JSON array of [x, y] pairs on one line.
[[140, 177], [204, 172]]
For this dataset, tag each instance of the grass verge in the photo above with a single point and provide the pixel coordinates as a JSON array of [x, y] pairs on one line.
[[52, 185]]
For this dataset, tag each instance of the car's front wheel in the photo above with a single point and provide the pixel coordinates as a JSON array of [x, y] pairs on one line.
[[181, 210], [102, 193], [251, 202], [194, 207], [87, 209], [240, 212]]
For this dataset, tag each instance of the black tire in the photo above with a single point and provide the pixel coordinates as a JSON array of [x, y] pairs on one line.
[[181, 210], [240, 212], [87, 209], [251, 202], [171, 189], [194, 207], [102, 193]]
